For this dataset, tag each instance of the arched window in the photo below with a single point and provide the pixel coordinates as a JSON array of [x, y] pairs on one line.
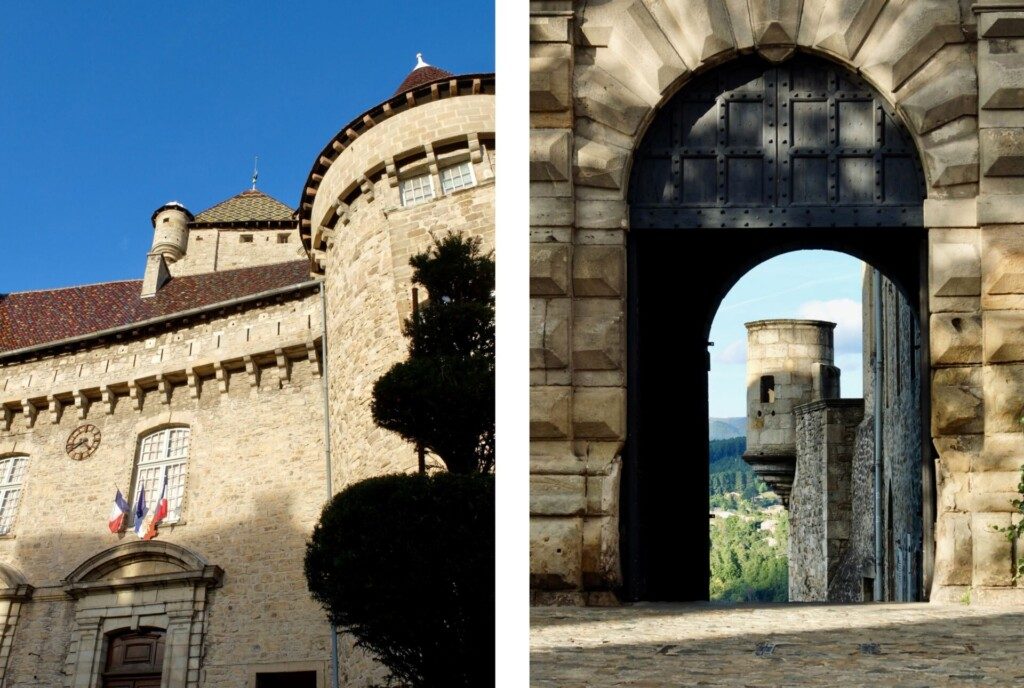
[[12, 473], [163, 456]]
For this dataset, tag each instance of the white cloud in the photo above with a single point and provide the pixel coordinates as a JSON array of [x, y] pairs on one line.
[[846, 314], [734, 353]]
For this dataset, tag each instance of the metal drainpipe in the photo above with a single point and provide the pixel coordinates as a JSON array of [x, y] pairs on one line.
[[876, 305], [327, 453]]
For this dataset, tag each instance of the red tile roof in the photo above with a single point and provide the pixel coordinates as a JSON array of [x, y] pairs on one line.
[[422, 75], [41, 317], [251, 205]]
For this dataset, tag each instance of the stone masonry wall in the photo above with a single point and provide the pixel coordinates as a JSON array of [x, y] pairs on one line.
[[254, 487], [210, 250]]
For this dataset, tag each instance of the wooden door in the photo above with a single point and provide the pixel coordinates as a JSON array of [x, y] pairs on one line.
[[135, 659]]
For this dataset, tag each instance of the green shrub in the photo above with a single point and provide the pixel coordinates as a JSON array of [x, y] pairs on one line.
[[405, 563]]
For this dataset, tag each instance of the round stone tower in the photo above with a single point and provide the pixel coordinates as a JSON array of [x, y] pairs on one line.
[[406, 171], [789, 363], [170, 230]]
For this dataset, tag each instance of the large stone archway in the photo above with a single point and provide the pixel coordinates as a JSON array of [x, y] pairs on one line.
[[600, 73]]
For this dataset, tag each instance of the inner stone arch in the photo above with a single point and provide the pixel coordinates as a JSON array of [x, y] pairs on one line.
[[749, 161]]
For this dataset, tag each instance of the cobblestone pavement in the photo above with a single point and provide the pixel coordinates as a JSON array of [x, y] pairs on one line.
[[653, 645]]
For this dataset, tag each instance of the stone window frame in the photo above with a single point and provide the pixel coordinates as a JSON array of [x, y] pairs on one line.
[[463, 166], [405, 184], [138, 466], [9, 485], [173, 601]]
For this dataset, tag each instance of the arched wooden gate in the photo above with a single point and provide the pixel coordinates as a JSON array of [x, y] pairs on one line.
[[746, 162]]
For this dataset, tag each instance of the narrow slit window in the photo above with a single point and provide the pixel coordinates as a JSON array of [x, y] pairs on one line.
[[767, 389]]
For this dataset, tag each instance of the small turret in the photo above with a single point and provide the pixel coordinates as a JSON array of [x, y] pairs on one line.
[[789, 363], [170, 230]]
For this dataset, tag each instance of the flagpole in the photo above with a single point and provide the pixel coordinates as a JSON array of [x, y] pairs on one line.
[[327, 453]]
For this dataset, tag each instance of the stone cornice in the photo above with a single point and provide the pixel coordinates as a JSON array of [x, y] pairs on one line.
[[209, 576]]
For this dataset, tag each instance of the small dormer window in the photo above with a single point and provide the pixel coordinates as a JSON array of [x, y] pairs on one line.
[[282, 238], [245, 238], [416, 190], [457, 177]]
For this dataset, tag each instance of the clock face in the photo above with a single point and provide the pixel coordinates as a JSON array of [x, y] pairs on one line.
[[83, 441]]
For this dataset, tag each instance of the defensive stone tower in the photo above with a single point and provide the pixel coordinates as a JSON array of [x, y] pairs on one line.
[[170, 230], [789, 362]]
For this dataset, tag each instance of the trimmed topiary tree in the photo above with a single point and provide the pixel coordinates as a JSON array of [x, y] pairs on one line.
[[405, 563], [442, 396]]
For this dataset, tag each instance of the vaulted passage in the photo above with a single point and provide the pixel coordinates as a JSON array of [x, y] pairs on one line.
[[750, 161]]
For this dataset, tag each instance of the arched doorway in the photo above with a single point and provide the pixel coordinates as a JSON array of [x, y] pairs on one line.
[[750, 161], [135, 659]]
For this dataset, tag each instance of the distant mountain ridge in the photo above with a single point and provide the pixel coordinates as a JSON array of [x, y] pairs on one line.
[[726, 428]]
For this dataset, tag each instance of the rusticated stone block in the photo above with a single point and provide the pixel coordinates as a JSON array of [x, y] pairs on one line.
[[600, 555], [953, 489], [1000, 74], [948, 96], [958, 453], [994, 491], [555, 549], [844, 25], [550, 78], [601, 214], [558, 495], [598, 334], [604, 99], [953, 161], [1002, 152], [955, 338], [1001, 452], [598, 270], [603, 491], [1004, 336], [1001, 25], [549, 29], [954, 269], [550, 154], [554, 457], [549, 333], [1003, 267], [549, 412], [599, 165], [953, 549], [599, 413], [549, 269], [1004, 397], [992, 556], [957, 401]]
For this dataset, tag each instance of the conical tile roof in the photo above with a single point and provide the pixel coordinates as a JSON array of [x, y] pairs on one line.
[[422, 74]]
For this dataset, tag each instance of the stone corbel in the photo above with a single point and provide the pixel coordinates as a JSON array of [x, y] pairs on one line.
[[431, 159], [8, 418], [312, 357], [366, 186], [253, 371], [30, 411], [474, 148], [81, 403], [391, 170], [109, 398], [221, 375], [135, 393], [284, 368], [163, 385], [193, 383], [55, 407]]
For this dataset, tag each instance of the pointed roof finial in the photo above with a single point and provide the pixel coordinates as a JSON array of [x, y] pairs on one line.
[[419, 61], [255, 171]]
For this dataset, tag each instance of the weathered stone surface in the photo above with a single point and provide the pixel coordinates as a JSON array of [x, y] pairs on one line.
[[1004, 397], [955, 338], [1002, 152], [953, 549], [549, 269], [992, 554], [600, 553], [603, 491], [550, 78], [994, 491], [943, 97], [954, 268], [599, 271], [598, 335], [699, 30], [845, 25], [549, 154], [549, 333], [953, 212], [952, 162], [599, 165], [1003, 266], [1004, 336], [602, 97], [549, 29], [957, 401], [958, 453], [549, 412], [555, 552], [558, 495], [599, 413], [1002, 452]]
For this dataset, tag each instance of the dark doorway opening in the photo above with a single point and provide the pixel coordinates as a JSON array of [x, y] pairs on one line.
[[286, 679]]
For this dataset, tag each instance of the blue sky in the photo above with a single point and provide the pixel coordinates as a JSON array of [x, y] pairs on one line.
[[108, 110], [821, 285]]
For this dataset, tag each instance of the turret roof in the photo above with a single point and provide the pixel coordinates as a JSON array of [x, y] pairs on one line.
[[251, 205], [422, 74]]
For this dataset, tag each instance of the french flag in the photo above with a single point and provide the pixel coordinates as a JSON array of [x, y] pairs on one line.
[[159, 514], [117, 512], [140, 511]]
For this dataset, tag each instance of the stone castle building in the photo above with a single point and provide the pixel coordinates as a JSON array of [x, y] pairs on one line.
[[255, 333], [720, 133]]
